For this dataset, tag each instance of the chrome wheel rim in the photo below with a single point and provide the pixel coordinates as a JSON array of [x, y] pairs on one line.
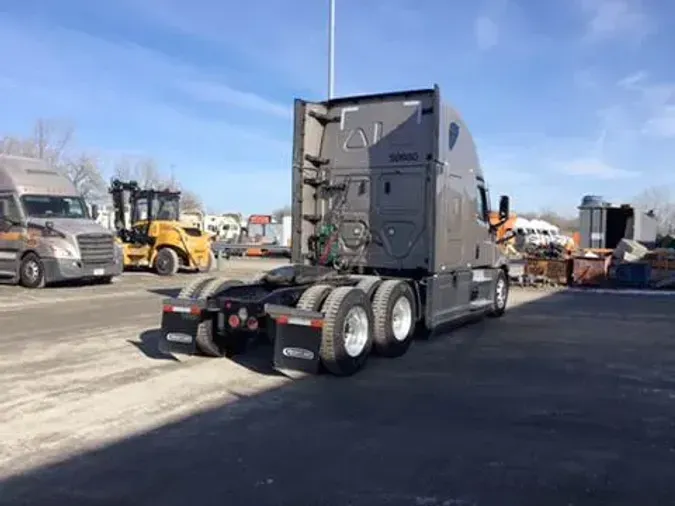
[[401, 318], [355, 331], [31, 270], [500, 293]]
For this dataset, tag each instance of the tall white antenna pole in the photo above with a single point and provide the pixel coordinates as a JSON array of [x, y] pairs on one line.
[[331, 49]]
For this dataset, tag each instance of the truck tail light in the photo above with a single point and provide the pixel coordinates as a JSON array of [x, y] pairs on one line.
[[193, 310], [233, 321]]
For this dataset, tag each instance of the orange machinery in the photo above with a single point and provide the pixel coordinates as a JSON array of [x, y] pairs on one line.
[[506, 227]]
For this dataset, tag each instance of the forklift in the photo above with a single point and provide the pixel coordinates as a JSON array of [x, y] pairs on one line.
[[148, 227]]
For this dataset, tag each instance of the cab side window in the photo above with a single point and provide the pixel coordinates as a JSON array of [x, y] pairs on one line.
[[482, 207], [9, 209]]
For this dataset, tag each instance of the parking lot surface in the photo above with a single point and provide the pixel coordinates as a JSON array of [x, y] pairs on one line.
[[569, 399]]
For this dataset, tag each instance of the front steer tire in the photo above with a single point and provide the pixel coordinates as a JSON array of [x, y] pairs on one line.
[[500, 295], [32, 272], [333, 351]]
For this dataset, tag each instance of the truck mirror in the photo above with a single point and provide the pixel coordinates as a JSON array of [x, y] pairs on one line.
[[504, 210], [94, 212]]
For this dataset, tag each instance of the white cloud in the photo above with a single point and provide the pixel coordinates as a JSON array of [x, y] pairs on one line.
[[121, 99], [486, 31], [594, 168], [214, 92], [662, 124], [292, 48], [374, 40], [633, 81], [610, 19], [650, 105], [64, 58]]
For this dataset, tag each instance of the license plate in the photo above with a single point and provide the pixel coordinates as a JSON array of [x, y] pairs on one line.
[[99, 272], [179, 337], [479, 276]]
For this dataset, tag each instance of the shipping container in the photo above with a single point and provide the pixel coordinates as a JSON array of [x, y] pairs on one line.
[[605, 226]]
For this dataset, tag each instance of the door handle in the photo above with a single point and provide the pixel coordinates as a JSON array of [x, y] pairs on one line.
[[477, 251]]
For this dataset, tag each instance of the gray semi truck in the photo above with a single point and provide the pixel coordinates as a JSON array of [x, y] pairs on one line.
[[391, 236], [46, 231]]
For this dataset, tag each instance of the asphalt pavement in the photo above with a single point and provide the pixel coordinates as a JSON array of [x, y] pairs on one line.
[[569, 399]]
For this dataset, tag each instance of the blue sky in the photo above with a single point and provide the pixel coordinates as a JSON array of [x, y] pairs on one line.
[[564, 97]]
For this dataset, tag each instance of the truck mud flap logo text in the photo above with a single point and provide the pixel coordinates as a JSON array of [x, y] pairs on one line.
[[300, 353]]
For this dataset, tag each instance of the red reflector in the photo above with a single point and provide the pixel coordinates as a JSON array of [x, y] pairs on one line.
[[282, 320], [233, 321], [317, 324], [193, 310], [252, 323]]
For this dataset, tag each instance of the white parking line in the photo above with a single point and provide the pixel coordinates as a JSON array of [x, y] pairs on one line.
[[60, 298]]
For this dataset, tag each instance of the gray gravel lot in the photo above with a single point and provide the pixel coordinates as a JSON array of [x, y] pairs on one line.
[[569, 399]]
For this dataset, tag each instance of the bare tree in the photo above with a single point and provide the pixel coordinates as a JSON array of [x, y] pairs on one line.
[[86, 175], [190, 201], [17, 146], [659, 200], [144, 171], [124, 169], [51, 141], [147, 174]]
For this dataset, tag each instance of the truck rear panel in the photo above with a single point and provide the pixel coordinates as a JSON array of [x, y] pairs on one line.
[[410, 173], [381, 149]]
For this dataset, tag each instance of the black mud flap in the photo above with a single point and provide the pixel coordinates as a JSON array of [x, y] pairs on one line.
[[180, 320], [297, 339]]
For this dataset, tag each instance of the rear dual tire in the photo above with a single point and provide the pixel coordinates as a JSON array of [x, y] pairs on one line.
[[353, 325], [347, 336], [394, 310], [209, 341]]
